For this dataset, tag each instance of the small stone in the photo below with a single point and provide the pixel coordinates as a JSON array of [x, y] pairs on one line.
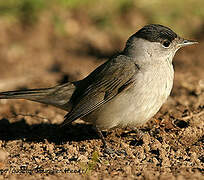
[[3, 155]]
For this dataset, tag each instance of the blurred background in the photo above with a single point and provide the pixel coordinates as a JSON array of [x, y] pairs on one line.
[[44, 42]]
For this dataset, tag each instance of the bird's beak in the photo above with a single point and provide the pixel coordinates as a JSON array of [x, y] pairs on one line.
[[185, 42]]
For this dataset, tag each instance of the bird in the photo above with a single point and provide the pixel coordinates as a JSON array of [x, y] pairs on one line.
[[125, 91]]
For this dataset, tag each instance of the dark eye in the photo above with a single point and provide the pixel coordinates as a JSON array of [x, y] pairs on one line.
[[166, 44]]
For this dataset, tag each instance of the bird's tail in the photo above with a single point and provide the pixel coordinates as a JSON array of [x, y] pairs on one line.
[[58, 96]]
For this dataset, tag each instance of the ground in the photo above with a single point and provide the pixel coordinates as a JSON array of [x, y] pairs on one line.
[[34, 146]]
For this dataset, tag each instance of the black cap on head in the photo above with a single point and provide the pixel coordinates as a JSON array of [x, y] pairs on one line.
[[156, 33]]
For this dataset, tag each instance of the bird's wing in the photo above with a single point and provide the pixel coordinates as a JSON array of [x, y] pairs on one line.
[[103, 84]]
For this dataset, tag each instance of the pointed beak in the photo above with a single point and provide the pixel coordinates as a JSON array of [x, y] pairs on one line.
[[185, 42]]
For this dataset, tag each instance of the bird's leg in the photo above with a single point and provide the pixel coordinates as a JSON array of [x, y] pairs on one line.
[[138, 133], [102, 137], [107, 149]]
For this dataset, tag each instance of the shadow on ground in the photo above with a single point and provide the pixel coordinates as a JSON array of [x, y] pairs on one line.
[[39, 132]]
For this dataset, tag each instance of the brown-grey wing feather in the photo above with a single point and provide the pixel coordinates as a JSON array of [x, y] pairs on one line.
[[113, 78]]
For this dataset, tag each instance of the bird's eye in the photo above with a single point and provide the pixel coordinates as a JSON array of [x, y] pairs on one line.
[[166, 44]]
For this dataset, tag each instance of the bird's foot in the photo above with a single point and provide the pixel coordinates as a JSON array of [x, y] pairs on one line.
[[112, 152], [108, 150]]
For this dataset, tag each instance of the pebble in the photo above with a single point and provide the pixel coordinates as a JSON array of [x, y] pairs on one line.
[[3, 155]]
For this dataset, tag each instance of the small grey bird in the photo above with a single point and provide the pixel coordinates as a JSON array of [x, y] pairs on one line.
[[125, 91]]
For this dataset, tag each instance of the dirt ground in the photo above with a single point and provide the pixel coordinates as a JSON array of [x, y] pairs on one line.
[[32, 146]]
